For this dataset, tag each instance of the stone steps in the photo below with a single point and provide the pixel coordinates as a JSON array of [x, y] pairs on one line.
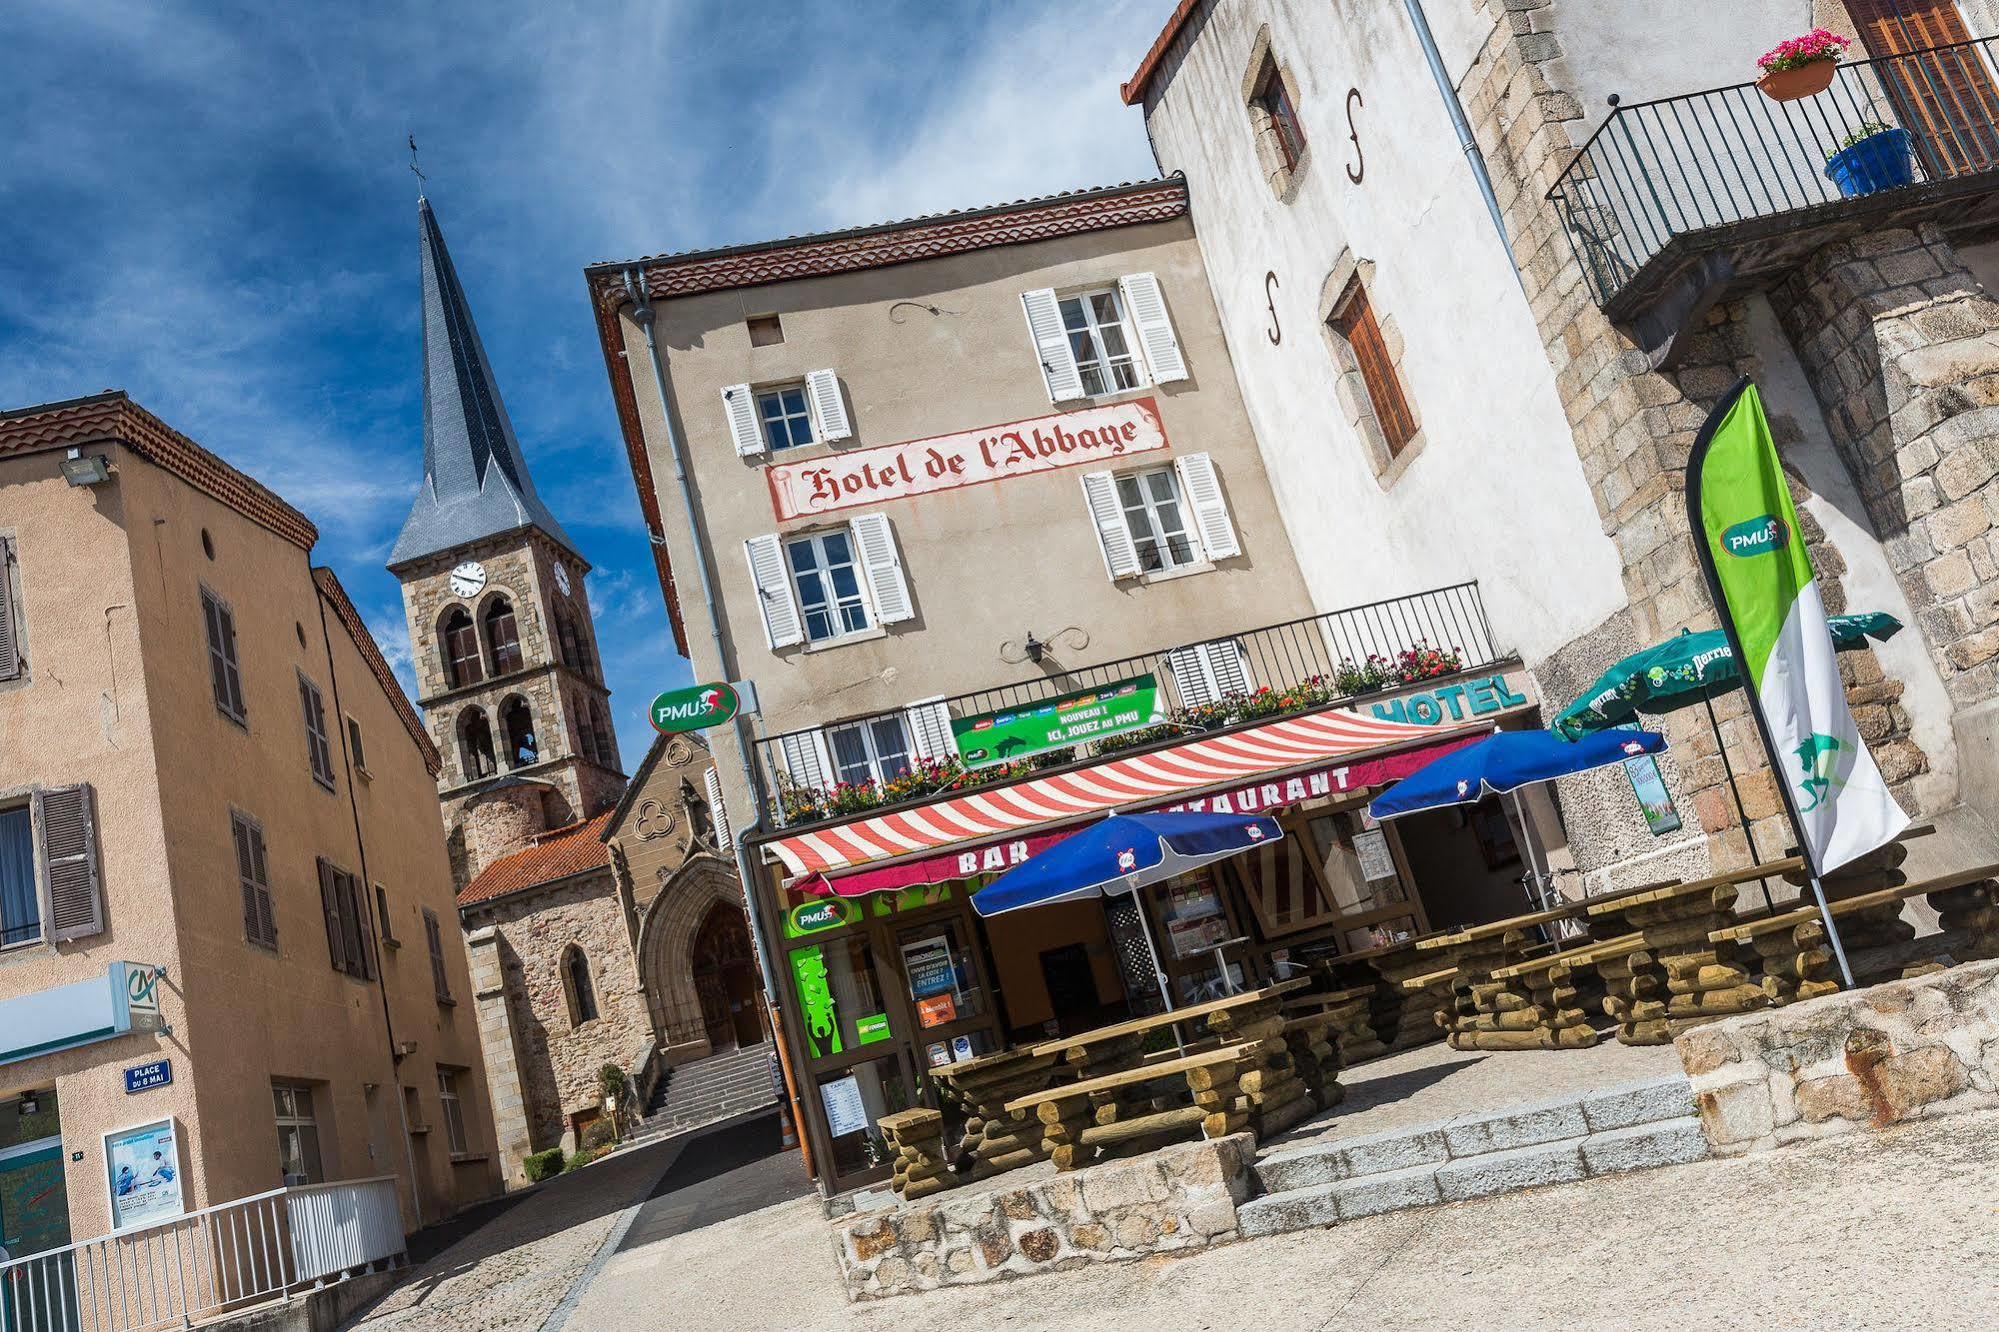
[[709, 1090], [1553, 1142]]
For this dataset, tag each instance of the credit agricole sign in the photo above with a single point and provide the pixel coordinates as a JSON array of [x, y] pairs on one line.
[[865, 477]]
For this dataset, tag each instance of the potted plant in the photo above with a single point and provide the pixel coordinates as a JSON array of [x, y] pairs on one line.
[[1873, 157], [1801, 66]]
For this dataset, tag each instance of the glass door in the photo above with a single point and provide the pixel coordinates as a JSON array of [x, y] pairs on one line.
[[34, 1218], [855, 1066]]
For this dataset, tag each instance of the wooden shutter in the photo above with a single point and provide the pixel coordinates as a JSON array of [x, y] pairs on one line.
[[362, 927], [783, 626], [1946, 99], [1203, 492], [329, 905], [929, 725], [739, 405], [1356, 324], [718, 813], [219, 668], [1146, 305], [829, 410], [1051, 345], [806, 759], [68, 819], [434, 936], [1113, 533], [10, 640], [318, 748], [875, 539], [259, 925]]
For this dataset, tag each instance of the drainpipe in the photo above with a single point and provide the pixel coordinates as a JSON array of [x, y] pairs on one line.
[[1466, 140]]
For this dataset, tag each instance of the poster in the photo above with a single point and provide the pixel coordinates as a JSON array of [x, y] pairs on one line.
[[938, 1053], [937, 1010], [845, 1113], [1058, 723], [1650, 788], [927, 963], [142, 1171]]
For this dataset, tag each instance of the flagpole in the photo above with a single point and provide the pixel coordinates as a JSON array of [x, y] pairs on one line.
[[1697, 532]]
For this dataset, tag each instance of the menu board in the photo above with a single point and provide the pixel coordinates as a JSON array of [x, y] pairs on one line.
[[1372, 850], [845, 1111]]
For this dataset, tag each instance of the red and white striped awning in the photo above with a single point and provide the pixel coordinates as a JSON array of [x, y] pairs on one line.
[[1141, 779]]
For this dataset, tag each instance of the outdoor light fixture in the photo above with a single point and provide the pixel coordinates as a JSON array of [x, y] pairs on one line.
[[81, 469], [29, 1105], [1035, 647]]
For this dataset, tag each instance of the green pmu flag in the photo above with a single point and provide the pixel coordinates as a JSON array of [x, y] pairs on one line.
[[1761, 579]]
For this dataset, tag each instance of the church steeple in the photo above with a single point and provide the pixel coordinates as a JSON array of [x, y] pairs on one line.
[[475, 482]]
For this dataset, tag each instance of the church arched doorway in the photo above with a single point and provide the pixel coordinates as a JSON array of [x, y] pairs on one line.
[[725, 979]]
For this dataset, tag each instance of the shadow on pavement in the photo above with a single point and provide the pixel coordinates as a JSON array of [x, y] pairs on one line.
[[722, 1174]]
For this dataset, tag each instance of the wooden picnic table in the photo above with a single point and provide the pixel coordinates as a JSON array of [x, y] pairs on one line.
[[1486, 1014], [1119, 1032], [997, 1139], [1119, 1112], [1394, 1018]]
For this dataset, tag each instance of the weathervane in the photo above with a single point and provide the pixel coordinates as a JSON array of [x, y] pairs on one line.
[[413, 166]]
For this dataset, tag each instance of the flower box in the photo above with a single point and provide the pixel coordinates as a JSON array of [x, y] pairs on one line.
[[1802, 66]]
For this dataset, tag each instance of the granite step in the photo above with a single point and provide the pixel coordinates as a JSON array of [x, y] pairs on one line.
[[1630, 1127]]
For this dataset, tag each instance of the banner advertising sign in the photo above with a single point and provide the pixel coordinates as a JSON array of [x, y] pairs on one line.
[[1057, 723], [864, 477], [142, 1172], [692, 708]]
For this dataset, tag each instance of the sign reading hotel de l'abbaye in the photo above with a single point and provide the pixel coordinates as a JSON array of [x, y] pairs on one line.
[[864, 477]]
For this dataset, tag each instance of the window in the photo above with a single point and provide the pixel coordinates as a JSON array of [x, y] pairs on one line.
[[875, 750], [259, 921], [20, 890], [454, 1111], [1354, 326], [224, 675], [1272, 100], [434, 936], [518, 724], [787, 421], [461, 649], [382, 918], [318, 750], [298, 1135], [503, 637], [576, 981], [355, 747], [1100, 341], [475, 745], [1157, 519], [349, 942], [828, 581], [765, 330], [10, 623], [607, 747]]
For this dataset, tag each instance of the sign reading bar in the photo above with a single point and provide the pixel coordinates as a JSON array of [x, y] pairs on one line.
[[693, 708], [945, 462], [1057, 723]]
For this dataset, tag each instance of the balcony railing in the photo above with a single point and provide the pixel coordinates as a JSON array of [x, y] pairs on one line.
[[1265, 672], [202, 1264], [1661, 169]]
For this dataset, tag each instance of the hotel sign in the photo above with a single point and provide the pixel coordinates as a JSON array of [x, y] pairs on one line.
[[1094, 435]]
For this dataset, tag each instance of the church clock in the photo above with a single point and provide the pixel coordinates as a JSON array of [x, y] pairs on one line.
[[467, 579]]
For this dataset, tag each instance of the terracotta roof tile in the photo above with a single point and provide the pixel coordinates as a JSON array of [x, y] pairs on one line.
[[113, 416], [557, 854], [1133, 89], [371, 652]]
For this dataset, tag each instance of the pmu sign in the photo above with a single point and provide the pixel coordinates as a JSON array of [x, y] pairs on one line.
[[694, 708]]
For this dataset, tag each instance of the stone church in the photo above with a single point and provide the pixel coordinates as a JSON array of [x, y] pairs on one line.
[[603, 916]]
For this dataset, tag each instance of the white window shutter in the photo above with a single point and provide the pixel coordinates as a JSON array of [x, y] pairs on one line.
[[1190, 677], [806, 759], [782, 623], [68, 818], [1207, 672], [1113, 533], [10, 646], [745, 431], [718, 813], [829, 410], [876, 541], [1147, 308], [1051, 345], [929, 724], [1203, 490], [1226, 666]]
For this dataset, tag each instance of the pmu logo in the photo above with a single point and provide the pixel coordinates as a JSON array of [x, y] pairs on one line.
[[1756, 536]]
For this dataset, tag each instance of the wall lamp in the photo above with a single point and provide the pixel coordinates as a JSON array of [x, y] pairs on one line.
[[85, 469]]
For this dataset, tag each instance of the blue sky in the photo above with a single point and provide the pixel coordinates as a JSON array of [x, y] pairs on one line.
[[209, 205]]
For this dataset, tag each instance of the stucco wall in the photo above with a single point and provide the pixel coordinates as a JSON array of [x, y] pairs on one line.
[[1493, 490]]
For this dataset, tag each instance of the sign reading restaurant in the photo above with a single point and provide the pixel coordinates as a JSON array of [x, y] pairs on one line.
[[969, 458]]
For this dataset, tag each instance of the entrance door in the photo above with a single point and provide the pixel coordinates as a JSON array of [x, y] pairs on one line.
[[725, 980], [34, 1218], [1946, 99]]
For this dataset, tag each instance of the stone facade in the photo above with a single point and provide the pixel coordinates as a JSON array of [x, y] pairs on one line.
[[1905, 1050], [1170, 1201]]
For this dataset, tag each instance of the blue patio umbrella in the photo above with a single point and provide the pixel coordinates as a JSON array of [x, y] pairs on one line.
[[1506, 761], [1122, 854]]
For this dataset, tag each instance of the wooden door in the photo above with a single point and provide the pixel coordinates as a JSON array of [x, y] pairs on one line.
[[725, 981], [1943, 92]]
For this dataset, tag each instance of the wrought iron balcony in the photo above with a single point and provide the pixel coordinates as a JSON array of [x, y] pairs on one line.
[[1710, 188], [1234, 680]]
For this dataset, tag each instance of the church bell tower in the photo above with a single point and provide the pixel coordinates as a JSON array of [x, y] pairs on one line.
[[504, 648]]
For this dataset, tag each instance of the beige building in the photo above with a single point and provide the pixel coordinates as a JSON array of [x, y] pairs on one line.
[[226, 906]]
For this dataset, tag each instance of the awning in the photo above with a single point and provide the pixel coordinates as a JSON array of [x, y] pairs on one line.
[[1146, 781]]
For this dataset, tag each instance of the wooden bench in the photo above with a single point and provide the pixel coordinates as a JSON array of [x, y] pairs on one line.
[[916, 1137], [1110, 1112], [996, 1140]]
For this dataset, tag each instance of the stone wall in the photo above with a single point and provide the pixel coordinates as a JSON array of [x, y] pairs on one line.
[[1905, 1050], [1169, 1201]]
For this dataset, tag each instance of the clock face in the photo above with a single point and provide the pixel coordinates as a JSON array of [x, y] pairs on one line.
[[468, 578], [562, 579]]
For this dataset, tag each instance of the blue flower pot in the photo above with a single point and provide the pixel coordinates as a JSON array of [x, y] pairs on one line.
[[1878, 162]]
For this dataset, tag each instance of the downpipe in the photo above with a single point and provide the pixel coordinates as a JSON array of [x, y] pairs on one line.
[[1466, 139]]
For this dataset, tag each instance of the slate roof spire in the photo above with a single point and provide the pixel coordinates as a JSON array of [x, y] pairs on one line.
[[475, 482]]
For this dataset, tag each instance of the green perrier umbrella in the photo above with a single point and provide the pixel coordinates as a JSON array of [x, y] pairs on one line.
[[1684, 670]]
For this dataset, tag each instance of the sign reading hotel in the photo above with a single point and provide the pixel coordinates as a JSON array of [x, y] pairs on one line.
[[865, 477], [1036, 728]]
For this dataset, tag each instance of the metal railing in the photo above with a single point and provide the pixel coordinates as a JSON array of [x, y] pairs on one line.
[[1299, 652], [1659, 169], [196, 1266]]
